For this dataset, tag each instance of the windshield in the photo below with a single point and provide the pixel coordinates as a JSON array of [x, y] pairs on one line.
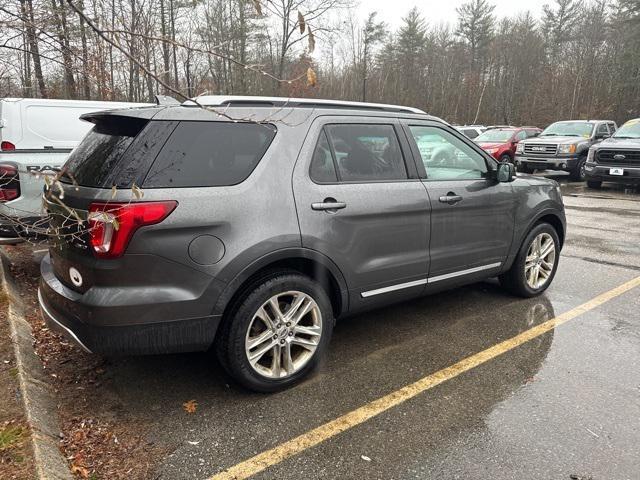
[[495, 136], [568, 129], [631, 129]]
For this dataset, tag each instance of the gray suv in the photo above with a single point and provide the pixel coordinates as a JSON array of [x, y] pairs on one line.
[[253, 229], [563, 146]]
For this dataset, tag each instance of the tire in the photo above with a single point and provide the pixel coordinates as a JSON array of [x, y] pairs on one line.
[[516, 281], [524, 168], [505, 158], [253, 317], [578, 173], [594, 184]]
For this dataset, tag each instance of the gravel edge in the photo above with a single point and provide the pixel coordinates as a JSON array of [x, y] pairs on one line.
[[38, 395]]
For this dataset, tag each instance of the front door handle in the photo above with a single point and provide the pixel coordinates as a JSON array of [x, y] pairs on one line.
[[450, 198], [330, 205]]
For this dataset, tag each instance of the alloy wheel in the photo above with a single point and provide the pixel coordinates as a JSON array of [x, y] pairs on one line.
[[283, 334], [541, 258]]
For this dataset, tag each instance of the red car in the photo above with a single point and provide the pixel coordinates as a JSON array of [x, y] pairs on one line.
[[501, 142]]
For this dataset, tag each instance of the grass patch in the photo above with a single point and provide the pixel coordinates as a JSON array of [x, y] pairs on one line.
[[11, 437]]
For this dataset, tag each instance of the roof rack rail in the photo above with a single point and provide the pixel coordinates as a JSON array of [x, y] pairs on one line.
[[166, 100], [283, 102]]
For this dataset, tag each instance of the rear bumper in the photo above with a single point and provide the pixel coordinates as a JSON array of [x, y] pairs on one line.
[[548, 163], [65, 311], [602, 174]]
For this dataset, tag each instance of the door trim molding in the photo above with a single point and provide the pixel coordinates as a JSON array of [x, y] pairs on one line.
[[460, 273], [425, 281], [393, 288]]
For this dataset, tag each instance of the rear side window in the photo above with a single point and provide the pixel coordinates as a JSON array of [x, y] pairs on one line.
[[92, 162], [366, 152], [209, 154]]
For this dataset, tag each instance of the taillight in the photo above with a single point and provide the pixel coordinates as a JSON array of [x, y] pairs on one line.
[[7, 146], [111, 225], [9, 183]]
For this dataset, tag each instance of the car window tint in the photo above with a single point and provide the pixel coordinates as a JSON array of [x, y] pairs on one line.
[[446, 157], [602, 129], [209, 154], [323, 169], [532, 133], [612, 127], [366, 152], [521, 136], [470, 133]]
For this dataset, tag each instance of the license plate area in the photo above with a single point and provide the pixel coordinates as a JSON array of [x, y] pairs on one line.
[[616, 171]]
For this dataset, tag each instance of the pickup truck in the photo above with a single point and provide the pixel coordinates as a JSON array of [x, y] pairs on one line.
[[36, 137], [563, 146], [616, 159]]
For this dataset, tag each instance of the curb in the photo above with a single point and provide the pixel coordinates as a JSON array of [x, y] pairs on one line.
[[37, 394]]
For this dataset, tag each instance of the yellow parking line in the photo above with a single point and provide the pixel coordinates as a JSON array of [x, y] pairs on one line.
[[360, 415]]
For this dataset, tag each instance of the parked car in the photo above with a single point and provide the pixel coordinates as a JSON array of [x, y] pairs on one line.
[[493, 127], [471, 131], [501, 143], [36, 137], [563, 146], [616, 159], [254, 236]]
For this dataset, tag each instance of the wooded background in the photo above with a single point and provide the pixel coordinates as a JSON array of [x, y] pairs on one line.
[[580, 59]]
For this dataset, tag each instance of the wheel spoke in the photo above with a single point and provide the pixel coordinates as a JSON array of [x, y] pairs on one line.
[[275, 306], [287, 361], [264, 316], [253, 342], [306, 308], [295, 306], [258, 354], [547, 249], [303, 342], [313, 331], [276, 364]]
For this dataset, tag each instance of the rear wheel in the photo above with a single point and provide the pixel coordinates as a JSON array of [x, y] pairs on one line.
[[536, 263], [594, 183], [277, 332]]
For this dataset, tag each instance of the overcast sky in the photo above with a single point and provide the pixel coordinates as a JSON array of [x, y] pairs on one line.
[[438, 11]]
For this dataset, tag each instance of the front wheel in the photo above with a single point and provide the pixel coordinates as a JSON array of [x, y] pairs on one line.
[[536, 263], [505, 158], [579, 172], [277, 332]]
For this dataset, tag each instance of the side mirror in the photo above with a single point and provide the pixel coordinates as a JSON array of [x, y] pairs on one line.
[[506, 172]]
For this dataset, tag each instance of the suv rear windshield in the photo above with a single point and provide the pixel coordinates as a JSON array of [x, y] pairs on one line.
[[210, 154], [122, 151], [93, 161]]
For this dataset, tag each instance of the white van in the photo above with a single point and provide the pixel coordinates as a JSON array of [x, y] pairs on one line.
[[36, 136]]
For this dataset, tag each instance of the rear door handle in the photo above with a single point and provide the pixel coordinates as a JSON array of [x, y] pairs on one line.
[[450, 198], [328, 205]]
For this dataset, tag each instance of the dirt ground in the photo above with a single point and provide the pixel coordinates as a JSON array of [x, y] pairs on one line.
[[97, 438], [16, 458]]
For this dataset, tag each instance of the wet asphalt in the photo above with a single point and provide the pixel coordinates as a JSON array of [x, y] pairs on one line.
[[564, 404]]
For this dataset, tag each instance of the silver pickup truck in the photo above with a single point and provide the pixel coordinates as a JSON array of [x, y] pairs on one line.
[[36, 137]]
